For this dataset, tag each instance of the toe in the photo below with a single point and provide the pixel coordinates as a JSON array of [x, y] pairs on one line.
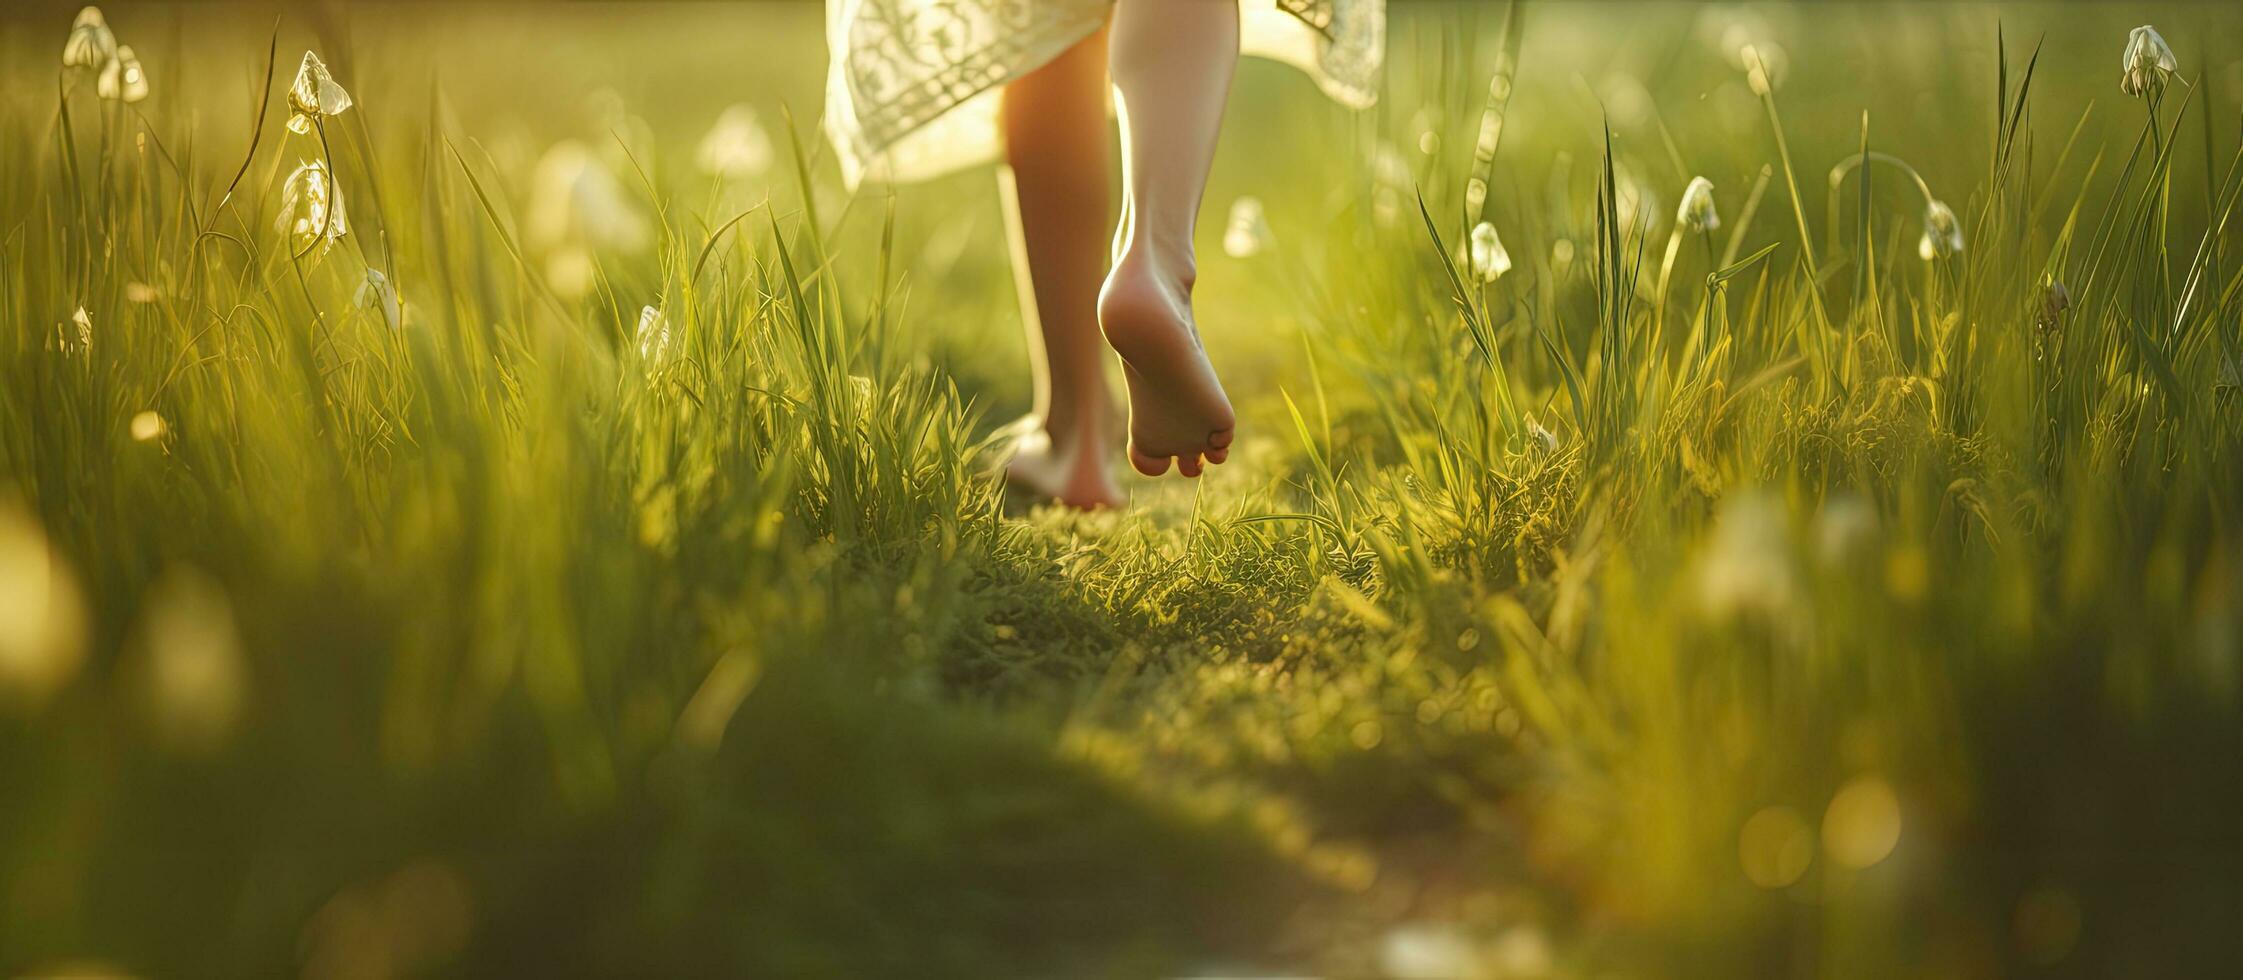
[[1217, 456], [1220, 440], [1189, 465], [1148, 465]]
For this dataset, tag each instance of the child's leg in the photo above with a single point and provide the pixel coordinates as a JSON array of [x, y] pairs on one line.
[[1172, 62], [1057, 140]]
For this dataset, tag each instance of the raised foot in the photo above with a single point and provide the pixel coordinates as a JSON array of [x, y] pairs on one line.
[[1178, 414]]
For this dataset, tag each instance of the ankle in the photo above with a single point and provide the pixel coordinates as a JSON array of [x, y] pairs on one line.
[[1080, 424], [1172, 266]]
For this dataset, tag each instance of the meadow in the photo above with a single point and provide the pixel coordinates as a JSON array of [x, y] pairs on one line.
[[553, 535]]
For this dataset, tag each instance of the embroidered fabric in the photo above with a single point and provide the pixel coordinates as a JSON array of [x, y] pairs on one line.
[[911, 89]]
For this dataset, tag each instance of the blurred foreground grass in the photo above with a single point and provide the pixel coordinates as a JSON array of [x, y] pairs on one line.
[[555, 575]]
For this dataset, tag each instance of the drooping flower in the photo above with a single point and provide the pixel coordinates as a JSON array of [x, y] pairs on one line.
[[1540, 435], [315, 95], [2147, 63], [311, 209], [1943, 233], [122, 79], [376, 293], [76, 337], [737, 146], [1489, 259], [1697, 214], [1248, 233], [91, 43], [653, 334], [1764, 63]]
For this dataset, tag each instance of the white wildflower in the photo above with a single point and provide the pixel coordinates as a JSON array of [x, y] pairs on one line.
[[122, 79], [1943, 233], [311, 209], [1489, 259], [91, 43], [315, 95], [1763, 66], [1697, 214], [1543, 439], [737, 146], [75, 337], [1248, 233], [377, 293], [653, 334], [2147, 63]]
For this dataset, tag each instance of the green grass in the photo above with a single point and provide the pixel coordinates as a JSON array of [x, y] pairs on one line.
[[1772, 602]]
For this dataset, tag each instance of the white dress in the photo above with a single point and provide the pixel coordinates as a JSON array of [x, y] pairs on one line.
[[911, 91]]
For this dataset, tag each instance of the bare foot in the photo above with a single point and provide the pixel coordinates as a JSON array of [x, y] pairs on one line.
[[1177, 409], [1072, 471]]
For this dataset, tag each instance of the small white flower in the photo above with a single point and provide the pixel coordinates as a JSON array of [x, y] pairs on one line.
[[311, 209], [91, 43], [1248, 233], [737, 146], [2147, 63], [122, 79], [1489, 259], [84, 322], [1943, 233], [315, 95], [1697, 213], [376, 293], [1543, 439], [1764, 63], [653, 334]]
